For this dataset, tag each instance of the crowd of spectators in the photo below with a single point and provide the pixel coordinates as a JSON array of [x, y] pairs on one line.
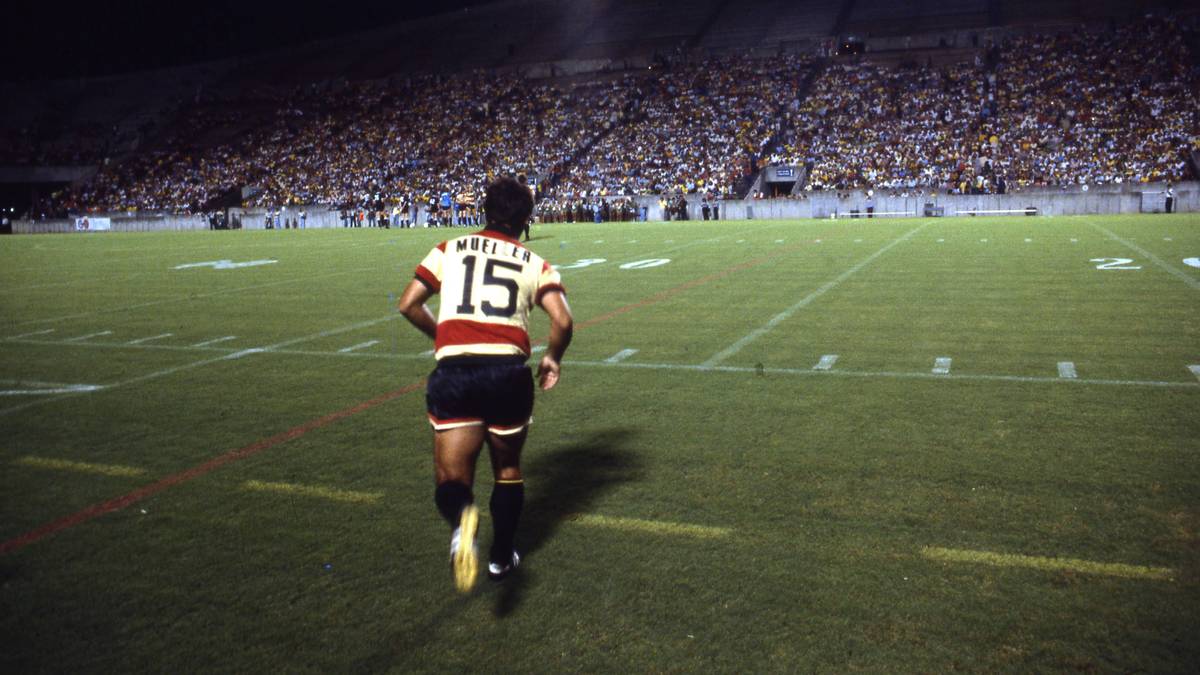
[[1085, 108], [1081, 107]]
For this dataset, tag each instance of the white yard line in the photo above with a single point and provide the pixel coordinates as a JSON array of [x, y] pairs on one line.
[[215, 341], [28, 335], [204, 362], [621, 356], [941, 365], [184, 298], [804, 302], [361, 345], [1066, 370], [1171, 269], [89, 336], [826, 362], [148, 339], [881, 374]]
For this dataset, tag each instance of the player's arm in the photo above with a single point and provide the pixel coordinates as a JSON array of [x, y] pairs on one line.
[[413, 307], [562, 327]]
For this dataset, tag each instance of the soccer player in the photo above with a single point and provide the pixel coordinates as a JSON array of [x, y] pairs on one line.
[[482, 390]]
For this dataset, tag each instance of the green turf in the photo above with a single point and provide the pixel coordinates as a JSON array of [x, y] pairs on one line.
[[829, 483]]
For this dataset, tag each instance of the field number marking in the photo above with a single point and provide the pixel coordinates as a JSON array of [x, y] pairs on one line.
[[582, 262], [83, 467], [941, 365], [1115, 264], [826, 362], [1048, 564], [1192, 262], [621, 356], [651, 526], [1066, 369], [350, 496], [1186, 278], [1195, 371], [645, 264], [225, 264]]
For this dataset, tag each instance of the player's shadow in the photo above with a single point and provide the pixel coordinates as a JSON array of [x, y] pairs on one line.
[[565, 482]]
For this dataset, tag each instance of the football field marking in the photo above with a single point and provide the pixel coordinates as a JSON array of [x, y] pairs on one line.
[[941, 365], [148, 339], [805, 301], [621, 356], [214, 341], [189, 297], [650, 526], [29, 335], [89, 336], [826, 362], [317, 491], [118, 503], [1195, 371], [1066, 369], [361, 345], [115, 470], [877, 374], [1047, 564], [28, 388], [1194, 284], [209, 361]]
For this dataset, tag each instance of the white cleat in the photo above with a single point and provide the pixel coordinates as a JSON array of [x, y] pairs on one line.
[[497, 572]]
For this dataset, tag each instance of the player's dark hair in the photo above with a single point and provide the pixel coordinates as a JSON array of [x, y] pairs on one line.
[[508, 205]]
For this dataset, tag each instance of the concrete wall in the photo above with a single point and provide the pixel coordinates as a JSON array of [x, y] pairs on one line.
[[1098, 201]]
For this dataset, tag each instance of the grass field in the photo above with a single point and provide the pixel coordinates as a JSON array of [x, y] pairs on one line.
[[908, 445]]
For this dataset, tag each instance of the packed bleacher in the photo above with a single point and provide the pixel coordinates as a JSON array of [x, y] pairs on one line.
[[1077, 107]]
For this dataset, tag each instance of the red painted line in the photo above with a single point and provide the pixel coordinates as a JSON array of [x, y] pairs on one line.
[[97, 510]]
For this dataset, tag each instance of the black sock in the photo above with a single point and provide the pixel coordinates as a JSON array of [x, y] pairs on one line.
[[507, 499], [451, 498]]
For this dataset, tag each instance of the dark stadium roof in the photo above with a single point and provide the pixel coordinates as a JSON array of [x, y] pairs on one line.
[[46, 40]]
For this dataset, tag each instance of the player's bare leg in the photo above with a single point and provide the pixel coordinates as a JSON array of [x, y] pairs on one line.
[[508, 498], [455, 452]]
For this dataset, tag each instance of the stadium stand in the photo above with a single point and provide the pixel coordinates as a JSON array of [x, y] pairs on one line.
[[662, 104]]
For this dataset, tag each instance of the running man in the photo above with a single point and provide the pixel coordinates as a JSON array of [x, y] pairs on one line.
[[482, 390]]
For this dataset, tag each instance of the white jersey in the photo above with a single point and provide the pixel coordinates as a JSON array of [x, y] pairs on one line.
[[488, 282]]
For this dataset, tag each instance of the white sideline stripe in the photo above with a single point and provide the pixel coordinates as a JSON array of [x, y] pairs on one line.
[[26, 335], [1184, 276], [361, 345], [1195, 371], [215, 341], [209, 361], [81, 338], [826, 362], [1067, 369], [621, 356], [941, 365], [147, 339], [884, 374], [787, 313]]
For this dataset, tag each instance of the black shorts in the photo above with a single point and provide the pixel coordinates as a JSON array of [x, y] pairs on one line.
[[494, 392]]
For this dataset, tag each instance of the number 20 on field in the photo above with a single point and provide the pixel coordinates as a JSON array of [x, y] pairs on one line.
[[1124, 263], [635, 265]]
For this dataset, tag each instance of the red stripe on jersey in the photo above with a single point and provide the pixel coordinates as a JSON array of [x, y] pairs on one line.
[[455, 332], [546, 289], [427, 277]]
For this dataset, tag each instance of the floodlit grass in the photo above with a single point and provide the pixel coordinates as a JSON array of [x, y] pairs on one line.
[[706, 503]]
